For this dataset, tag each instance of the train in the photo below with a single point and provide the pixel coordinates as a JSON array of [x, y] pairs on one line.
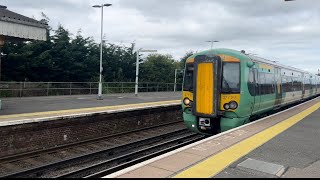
[[225, 88]]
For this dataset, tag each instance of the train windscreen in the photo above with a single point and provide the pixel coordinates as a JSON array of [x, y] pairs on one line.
[[188, 78], [231, 78]]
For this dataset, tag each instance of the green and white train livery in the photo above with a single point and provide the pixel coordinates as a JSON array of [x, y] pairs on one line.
[[224, 88]]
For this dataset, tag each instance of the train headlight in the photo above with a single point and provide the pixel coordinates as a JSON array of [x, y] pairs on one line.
[[226, 106], [187, 102], [233, 105]]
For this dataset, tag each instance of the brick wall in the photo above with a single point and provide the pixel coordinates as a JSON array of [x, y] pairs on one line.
[[37, 136]]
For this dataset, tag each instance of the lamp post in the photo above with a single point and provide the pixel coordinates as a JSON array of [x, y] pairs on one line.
[[175, 77], [137, 68], [0, 63], [101, 69], [2, 41], [1, 45], [212, 43]]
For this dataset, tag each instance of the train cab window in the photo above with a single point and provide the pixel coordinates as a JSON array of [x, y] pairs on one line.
[[251, 83], [188, 78], [231, 78]]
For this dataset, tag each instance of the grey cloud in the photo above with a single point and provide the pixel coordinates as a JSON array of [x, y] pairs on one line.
[[287, 31], [66, 5]]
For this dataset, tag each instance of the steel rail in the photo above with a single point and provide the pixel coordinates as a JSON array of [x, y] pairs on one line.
[[37, 152], [38, 169], [132, 157]]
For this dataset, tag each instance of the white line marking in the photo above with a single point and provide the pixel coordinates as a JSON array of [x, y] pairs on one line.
[[132, 168], [51, 118]]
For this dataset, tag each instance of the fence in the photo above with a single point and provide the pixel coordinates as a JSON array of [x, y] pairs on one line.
[[29, 89]]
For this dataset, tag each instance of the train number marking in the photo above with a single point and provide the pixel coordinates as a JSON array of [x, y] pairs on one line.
[[229, 98]]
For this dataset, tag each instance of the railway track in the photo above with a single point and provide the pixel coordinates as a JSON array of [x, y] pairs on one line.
[[113, 165], [99, 157]]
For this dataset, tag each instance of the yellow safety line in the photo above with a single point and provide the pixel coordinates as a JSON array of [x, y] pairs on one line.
[[217, 163], [87, 109]]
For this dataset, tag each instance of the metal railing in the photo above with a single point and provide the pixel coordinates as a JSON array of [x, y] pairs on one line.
[[29, 89]]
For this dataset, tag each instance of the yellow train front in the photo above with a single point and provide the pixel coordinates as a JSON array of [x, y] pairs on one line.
[[224, 88]]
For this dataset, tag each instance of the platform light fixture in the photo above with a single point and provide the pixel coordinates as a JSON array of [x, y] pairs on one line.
[[175, 77], [2, 41], [137, 67], [101, 45], [212, 41]]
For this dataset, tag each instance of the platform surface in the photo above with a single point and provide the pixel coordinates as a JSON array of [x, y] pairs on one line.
[[296, 149], [282, 145], [24, 110]]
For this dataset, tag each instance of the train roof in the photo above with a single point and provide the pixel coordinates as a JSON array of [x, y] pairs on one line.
[[253, 58], [275, 63]]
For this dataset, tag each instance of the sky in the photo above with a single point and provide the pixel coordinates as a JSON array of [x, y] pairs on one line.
[[287, 32]]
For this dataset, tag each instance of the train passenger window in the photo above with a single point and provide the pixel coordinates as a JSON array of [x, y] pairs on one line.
[[262, 83], [288, 85], [310, 84], [270, 83], [231, 78], [267, 83], [313, 86], [188, 78], [297, 84], [307, 84], [284, 84]]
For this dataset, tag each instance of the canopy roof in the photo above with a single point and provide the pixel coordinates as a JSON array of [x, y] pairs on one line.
[[17, 26]]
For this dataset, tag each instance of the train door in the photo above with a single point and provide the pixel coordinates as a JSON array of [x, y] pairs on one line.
[[278, 87], [206, 83], [257, 97]]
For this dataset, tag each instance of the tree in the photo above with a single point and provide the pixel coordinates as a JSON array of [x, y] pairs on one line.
[[184, 59], [84, 62], [64, 58], [158, 68]]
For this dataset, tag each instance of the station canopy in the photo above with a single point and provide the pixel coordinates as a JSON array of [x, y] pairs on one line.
[[16, 27]]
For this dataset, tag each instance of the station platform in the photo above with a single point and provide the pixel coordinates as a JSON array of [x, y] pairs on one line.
[[283, 145], [34, 109]]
